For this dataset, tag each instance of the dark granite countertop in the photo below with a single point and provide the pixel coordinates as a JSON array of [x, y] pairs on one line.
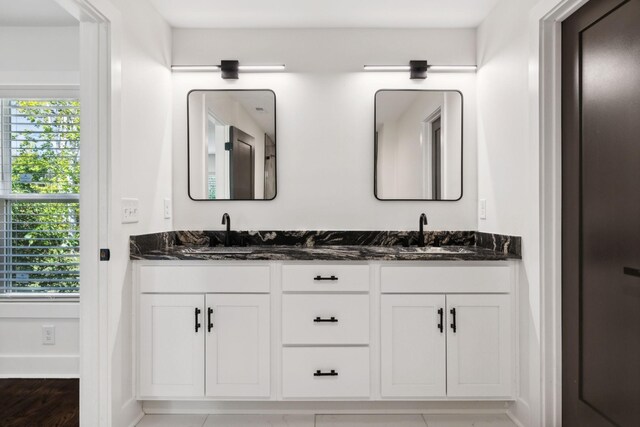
[[325, 246]]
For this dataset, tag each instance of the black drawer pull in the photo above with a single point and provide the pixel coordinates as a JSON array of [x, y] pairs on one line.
[[332, 278], [453, 325], [632, 271], [319, 373], [329, 320], [441, 315], [209, 322], [197, 318]]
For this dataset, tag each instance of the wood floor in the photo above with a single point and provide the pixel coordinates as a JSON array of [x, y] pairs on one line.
[[39, 403]]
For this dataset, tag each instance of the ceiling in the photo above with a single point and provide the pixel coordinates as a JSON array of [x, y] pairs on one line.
[[324, 13], [34, 13]]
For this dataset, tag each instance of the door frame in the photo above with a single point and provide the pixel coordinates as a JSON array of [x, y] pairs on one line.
[[545, 118], [100, 59]]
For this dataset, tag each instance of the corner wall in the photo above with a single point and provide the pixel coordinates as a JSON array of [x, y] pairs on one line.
[[140, 168], [509, 147], [325, 124]]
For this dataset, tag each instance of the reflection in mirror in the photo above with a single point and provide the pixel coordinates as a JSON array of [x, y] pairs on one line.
[[418, 145], [232, 144]]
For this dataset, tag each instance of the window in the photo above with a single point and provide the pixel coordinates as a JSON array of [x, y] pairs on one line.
[[40, 218]]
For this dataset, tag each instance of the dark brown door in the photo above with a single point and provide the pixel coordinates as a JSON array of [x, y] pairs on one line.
[[601, 215], [241, 161]]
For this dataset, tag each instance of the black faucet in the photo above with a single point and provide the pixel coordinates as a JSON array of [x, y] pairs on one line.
[[226, 219], [422, 223]]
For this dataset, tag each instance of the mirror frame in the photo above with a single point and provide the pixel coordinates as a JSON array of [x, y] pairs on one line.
[[375, 146], [275, 134]]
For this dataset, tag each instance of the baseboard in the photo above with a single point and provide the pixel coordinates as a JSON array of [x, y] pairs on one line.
[[21, 366], [524, 411], [315, 407], [131, 413], [515, 420]]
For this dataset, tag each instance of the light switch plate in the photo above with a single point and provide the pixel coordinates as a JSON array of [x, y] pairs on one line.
[[167, 208], [483, 208], [130, 211]]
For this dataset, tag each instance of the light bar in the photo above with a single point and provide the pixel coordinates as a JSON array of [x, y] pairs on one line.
[[195, 68], [387, 68], [420, 69], [229, 69], [261, 67], [453, 68]]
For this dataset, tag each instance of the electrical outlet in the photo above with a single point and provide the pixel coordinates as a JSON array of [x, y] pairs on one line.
[[483, 208], [48, 334], [167, 208], [130, 211]]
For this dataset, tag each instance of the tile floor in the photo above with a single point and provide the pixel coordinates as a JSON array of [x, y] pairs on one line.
[[326, 421]]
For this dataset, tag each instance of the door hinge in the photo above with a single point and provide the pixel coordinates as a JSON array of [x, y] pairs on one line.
[[105, 254]]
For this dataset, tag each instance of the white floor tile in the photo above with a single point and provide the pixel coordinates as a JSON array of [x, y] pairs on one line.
[[369, 420], [260, 421], [172, 421], [468, 421]]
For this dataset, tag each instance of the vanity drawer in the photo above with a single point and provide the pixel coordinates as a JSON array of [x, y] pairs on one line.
[[350, 377], [325, 278], [204, 278], [458, 278], [325, 319]]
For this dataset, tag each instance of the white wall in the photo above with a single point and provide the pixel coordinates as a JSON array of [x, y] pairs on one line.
[[324, 123], [39, 55], [31, 57], [22, 354], [509, 168], [140, 168]]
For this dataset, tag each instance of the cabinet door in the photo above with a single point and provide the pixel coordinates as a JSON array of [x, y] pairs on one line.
[[171, 360], [238, 345], [413, 346], [479, 347]]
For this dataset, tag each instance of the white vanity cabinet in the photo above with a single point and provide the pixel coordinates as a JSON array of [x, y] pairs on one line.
[[413, 353], [197, 340], [480, 349], [171, 351], [238, 345], [441, 338], [326, 331]]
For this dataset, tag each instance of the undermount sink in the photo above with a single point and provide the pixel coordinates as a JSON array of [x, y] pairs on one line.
[[215, 250]]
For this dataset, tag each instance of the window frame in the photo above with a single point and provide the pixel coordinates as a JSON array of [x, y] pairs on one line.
[[34, 92]]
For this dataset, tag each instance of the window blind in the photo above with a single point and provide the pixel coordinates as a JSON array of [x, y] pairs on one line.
[[40, 218]]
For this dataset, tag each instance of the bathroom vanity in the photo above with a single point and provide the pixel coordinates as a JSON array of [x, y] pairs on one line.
[[324, 321]]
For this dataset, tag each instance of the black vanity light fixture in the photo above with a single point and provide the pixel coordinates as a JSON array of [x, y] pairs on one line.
[[418, 69], [229, 69]]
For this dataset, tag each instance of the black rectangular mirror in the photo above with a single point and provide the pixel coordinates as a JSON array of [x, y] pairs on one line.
[[418, 145], [231, 144]]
